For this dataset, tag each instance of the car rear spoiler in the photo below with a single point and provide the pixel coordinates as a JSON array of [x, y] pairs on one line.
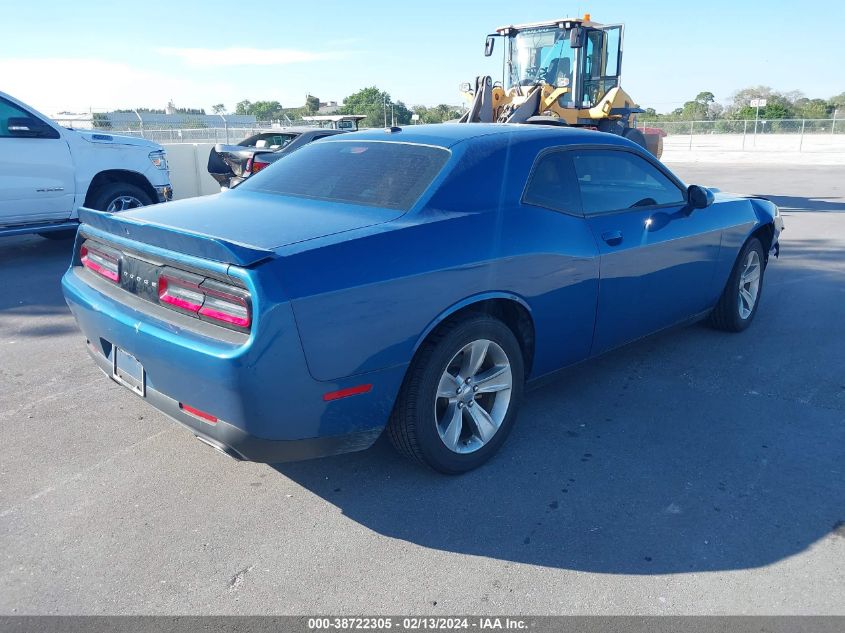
[[178, 240]]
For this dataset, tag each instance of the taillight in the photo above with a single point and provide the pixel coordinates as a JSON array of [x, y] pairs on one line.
[[207, 299], [257, 165], [225, 303], [180, 291], [101, 261]]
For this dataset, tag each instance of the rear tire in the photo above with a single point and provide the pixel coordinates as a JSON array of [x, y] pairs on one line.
[[453, 422], [741, 297], [119, 196]]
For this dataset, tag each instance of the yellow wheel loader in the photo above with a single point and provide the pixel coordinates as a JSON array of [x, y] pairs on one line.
[[561, 72]]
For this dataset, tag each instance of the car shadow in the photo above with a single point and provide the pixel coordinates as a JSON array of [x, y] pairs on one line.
[[690, 451], [798, 204], [31, 269]]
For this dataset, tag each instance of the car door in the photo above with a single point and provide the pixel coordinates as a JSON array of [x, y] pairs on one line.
[[657, 254], [37, 180], [561, 270]]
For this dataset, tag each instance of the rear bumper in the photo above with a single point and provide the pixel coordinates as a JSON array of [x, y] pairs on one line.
[[267, 405], [237, 443]]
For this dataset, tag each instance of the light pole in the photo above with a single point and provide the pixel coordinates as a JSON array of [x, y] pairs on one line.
[[757, 103], [385, 110], [140, 121]]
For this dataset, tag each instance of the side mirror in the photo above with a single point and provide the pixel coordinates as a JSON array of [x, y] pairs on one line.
[[489, 43], [699, 197], [576, 37], [28, 127]]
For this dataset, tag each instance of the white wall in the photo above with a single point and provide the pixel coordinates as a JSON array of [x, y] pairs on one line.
[[188, 169]]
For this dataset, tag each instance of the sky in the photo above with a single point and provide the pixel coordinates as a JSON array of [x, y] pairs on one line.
[[60, 55]]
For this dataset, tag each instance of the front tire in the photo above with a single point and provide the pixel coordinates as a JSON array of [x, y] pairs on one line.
[[119, 196], [741, 297], [460, 397]]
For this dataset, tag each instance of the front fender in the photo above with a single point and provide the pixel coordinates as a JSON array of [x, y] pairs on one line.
[[768, 213]]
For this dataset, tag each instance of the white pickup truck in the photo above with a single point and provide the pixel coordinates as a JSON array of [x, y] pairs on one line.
[[47, 172]]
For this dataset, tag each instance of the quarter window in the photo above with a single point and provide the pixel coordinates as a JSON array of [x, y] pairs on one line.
[[618, 180], [553, 184]]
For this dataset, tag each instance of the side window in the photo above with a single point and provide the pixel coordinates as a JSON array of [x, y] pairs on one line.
[[11, 111], [614, 38], [553, 184], [617, 180]]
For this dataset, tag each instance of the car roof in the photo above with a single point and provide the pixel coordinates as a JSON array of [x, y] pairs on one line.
[[296, 129], [449, 134]]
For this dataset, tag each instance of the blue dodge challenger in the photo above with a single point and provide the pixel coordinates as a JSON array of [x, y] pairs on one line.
[[413, 279]]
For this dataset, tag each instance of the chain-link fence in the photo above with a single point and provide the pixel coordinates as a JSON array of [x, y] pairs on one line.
[[175, 128], [228, 135], [793, 135], [802, 135]]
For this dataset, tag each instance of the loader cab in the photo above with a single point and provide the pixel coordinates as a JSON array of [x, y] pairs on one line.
[[581, 56]]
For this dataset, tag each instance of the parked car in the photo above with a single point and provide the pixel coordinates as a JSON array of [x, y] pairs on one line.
[[47, 172], [230, 165], [411, 279]]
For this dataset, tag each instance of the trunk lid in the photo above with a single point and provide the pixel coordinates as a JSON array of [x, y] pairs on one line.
[[236, 227]]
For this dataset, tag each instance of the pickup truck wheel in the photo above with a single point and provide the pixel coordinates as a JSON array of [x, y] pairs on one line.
[[119, 196], [461, 395], [741, 297]]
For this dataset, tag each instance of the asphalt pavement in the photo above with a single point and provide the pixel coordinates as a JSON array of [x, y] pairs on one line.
[[694, 472]]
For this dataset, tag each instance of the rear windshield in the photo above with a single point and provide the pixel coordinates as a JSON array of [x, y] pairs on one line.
[[274, 140], [372, 173]]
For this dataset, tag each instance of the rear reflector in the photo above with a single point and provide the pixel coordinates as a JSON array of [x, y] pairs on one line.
[[345, 393], [202, 415], [100, 261]]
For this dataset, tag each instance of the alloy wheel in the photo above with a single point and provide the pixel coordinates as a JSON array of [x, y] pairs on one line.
[[124, 203], [749, 284], [473, 396]]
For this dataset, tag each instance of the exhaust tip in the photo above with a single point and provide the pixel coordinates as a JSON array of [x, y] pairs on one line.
[[220, 448]]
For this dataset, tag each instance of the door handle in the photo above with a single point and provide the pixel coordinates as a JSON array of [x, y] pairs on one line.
[[613, 238]]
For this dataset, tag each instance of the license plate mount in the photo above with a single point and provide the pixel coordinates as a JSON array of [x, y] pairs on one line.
[[129, 372]]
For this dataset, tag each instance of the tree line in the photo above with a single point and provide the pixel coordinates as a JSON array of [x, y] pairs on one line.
[[377, 105], [779, 105], [379, 108]]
